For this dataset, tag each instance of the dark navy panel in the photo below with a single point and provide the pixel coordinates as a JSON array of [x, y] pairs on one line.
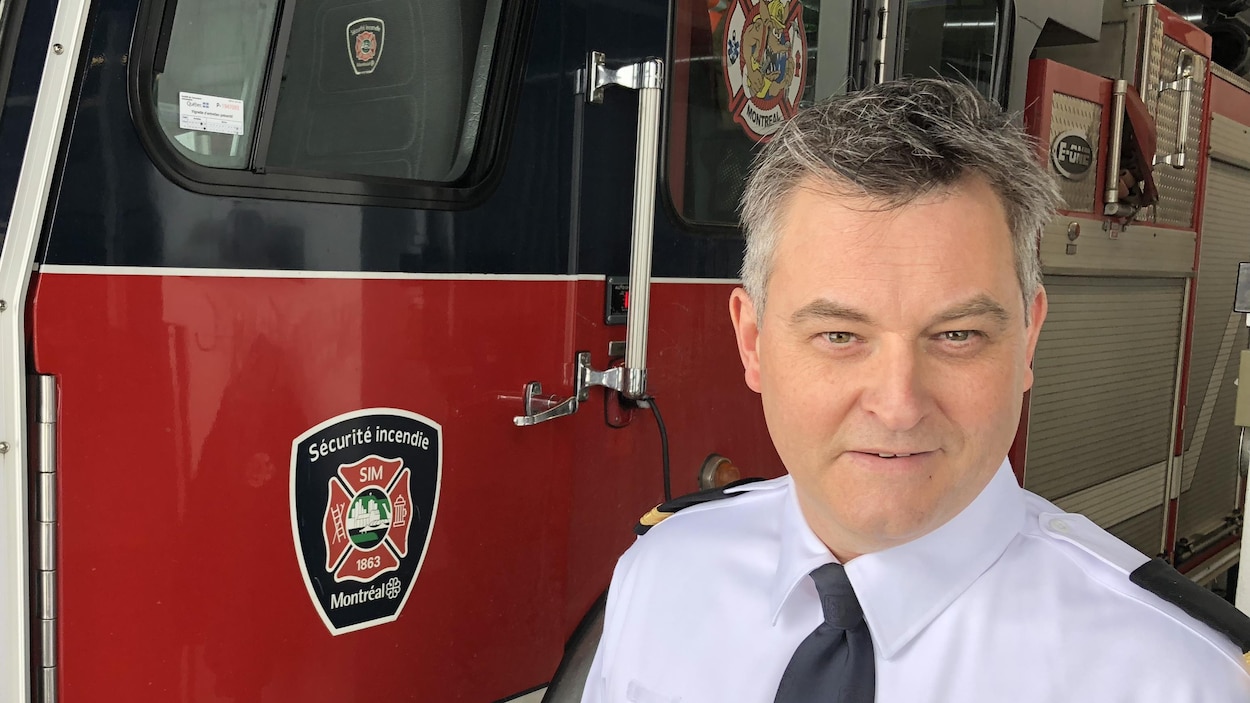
[[114, 207], [31, 37]]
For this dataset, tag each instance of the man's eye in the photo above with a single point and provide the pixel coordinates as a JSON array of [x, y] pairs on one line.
[[957, 335], [839, 337]]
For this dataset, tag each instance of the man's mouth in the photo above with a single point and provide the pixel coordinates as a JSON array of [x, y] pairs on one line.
[[893, 454]]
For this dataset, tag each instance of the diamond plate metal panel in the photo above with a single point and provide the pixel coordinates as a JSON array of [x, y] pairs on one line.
[[1067, 114], [1176, 186], [1153, 59]]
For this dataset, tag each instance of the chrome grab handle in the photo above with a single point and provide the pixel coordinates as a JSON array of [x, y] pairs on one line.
[[883, 20], [1183, 84], [1115, 149], [647, 77], [646, 164]]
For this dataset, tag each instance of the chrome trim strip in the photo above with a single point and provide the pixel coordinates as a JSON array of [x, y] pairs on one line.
[[1243, 584], [1175, 464]]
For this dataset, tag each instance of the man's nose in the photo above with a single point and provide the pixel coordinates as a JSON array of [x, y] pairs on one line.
[[894, 389]]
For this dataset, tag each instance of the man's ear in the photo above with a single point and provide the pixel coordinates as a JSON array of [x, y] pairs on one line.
[[747, 328], [1037, 315]]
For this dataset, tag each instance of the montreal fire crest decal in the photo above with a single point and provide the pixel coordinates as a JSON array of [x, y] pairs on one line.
[[765, 63], [364, 491], [364, 44]]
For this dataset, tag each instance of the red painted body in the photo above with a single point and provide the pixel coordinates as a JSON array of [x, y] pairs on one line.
[[1184, 31], [179, 577]]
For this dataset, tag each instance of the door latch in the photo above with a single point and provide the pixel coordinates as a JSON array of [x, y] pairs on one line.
[[585, 377]]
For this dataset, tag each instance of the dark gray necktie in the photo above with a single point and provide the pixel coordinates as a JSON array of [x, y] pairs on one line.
[[834, 664]]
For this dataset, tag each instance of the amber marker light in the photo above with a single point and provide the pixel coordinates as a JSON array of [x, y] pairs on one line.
[[718, 471]]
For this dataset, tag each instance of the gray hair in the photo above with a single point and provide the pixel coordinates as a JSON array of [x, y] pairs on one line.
[[894, 143]]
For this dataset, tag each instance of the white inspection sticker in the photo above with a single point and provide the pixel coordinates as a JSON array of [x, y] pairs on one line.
[[206, 113]]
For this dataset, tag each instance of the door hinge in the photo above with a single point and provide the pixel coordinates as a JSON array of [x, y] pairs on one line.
[[44, 536]]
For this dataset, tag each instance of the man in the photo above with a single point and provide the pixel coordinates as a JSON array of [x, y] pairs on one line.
[[891, 306]]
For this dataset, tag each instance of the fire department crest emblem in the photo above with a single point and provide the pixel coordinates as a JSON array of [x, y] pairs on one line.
[[765, 55], [364, 490], [364, 43]]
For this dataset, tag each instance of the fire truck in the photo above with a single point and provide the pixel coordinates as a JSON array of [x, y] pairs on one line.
[[334, 334]]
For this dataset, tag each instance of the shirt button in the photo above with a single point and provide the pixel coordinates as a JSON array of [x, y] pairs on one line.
[[1058, 525]]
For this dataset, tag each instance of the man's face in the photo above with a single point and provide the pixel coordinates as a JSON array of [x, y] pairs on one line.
[[892, 358]]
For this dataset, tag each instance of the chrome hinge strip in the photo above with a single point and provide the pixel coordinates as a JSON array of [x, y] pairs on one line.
[[45, 535]]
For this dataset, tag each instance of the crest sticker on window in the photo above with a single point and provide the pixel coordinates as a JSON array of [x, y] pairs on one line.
[[364, 43], [364, 491], [765, 59]]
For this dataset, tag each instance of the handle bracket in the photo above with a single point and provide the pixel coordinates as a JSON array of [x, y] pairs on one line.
[[585, 377]]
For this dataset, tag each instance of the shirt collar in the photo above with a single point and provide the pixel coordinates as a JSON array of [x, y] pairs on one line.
[[904, 588]]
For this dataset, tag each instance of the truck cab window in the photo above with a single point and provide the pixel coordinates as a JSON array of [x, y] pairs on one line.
[[953, 39], [207, 93], [741, 67], [385, 88]]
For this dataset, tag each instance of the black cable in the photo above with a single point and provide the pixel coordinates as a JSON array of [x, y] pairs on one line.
[[659, 421]]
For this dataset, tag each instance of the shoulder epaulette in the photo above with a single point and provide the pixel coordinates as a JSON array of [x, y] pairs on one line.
[[662, 511], [1158, 577]]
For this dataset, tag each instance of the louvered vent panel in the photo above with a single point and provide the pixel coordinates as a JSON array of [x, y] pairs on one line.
[[1209, 477], [1105, 371], [1145, 532]]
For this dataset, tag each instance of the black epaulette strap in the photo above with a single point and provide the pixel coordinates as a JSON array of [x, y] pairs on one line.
[[1161, 579], [660, 512]]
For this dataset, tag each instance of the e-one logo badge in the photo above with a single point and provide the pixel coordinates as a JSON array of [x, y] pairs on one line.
[[364, 490], [1071, 155]]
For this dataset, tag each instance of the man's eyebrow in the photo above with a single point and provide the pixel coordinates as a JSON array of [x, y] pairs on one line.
[[980, 306], [824, 309]]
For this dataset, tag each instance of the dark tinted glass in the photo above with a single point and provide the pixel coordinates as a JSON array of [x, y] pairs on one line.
[[739, 68], [380, 87], [950, 38]]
